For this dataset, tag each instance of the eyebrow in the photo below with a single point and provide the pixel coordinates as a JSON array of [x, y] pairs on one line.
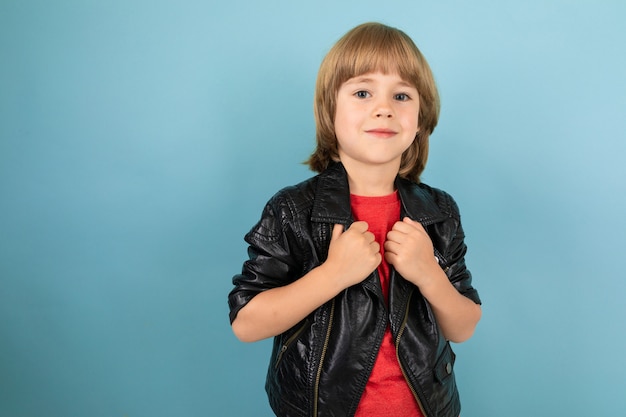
[[365, 79]]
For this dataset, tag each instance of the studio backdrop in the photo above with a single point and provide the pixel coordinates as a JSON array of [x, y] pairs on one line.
[[140, 140]]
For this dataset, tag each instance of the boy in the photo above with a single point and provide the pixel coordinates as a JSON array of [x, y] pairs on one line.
[[358, 273]]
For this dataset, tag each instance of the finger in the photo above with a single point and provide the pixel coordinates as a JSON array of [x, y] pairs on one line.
[[369, 237], [337, 231], [412, 223], [394, 236], [359, 227], [390, 257], [391, 247], [379, 259], [402, 227]]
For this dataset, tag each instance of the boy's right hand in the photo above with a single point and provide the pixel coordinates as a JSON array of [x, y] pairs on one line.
[[353, 254]]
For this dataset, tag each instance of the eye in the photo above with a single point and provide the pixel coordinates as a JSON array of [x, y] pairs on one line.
[[362, 94], [401, 97]]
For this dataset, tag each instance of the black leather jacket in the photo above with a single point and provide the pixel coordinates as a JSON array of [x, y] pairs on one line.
[[320, 366]]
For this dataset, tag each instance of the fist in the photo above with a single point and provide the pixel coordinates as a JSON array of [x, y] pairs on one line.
[[353, 254], [409, 249]]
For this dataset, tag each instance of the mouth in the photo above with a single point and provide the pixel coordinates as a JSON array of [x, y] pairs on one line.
[[381, 132]]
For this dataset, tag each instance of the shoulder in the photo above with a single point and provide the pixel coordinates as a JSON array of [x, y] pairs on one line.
[[296, 197], [284, 210], [443, 199], [424, 197]]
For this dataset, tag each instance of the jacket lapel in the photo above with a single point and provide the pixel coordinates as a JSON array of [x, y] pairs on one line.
[[332, 197], [418, 204]]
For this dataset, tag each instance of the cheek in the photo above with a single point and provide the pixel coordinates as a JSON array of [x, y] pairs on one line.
[[343, 122], [339, 126], [411, 122], [414, 121]]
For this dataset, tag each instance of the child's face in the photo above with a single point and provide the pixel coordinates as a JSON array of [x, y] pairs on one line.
[[376, 119]]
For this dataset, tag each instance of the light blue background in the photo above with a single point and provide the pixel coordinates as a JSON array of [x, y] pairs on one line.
[[139, 141]]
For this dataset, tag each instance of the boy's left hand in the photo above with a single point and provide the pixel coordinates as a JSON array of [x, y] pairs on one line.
[[409, 249]]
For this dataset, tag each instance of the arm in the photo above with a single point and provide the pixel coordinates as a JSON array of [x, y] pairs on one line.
[[352, 256], [409, 249]]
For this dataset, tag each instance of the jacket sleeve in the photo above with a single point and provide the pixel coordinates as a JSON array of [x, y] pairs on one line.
[[272, 260], [451, 244]]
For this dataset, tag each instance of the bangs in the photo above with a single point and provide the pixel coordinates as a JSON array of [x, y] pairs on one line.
[[378, 49]]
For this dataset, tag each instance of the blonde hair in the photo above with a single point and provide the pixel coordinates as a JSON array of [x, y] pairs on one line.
[[372, 47]]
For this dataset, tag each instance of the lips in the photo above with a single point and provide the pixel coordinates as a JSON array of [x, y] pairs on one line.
[[381, 132]]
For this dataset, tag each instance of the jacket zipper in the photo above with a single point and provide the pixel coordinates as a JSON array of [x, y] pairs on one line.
[[316, 388], [288, 343], [402, 327]]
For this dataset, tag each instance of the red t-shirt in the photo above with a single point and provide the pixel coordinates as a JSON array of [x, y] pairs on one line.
[[387, 392]]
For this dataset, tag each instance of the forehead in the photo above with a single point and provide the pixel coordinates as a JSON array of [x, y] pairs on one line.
[[377, 77]]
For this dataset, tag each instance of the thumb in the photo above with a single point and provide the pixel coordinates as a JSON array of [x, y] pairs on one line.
[[337, 231]]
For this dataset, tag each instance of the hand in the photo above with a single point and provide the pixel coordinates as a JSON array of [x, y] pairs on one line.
[[409, 249], [353, 254]]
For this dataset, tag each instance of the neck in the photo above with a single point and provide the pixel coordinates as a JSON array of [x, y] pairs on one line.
[[371, 181]]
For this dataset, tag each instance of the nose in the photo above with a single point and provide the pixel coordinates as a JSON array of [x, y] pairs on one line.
[[383, 109]]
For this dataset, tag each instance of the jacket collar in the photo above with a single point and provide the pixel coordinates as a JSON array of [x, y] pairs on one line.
[[332, 199]]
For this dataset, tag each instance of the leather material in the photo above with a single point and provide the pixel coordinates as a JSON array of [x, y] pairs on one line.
[[320, 366]]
